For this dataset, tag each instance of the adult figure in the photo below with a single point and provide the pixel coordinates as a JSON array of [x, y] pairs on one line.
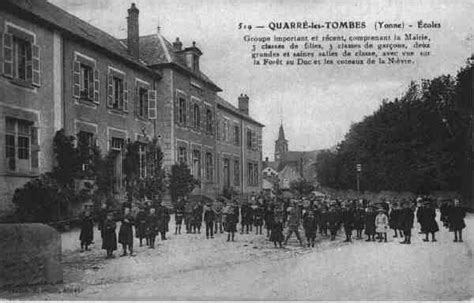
[[126, 232]]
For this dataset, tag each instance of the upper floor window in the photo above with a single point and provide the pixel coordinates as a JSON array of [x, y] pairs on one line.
[[236, 135], [182, 113], [117, 90], [249, 139], [236, 172], [85, 78], [196, 116], [142, 106], [197, 163], [21, 57], [209, 121]]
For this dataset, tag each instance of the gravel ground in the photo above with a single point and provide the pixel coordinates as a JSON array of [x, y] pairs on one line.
[[189, 266]]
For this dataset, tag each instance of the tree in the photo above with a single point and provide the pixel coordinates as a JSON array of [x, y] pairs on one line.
[[67, 159], [182, 181], [152, 185], [301, 187]]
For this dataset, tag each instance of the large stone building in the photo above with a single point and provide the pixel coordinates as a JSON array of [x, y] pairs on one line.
[[59, 72]]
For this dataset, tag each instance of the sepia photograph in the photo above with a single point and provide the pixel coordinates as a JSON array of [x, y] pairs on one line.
[[236, 150]]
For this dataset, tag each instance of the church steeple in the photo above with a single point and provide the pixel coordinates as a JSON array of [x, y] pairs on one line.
[[281, 144]]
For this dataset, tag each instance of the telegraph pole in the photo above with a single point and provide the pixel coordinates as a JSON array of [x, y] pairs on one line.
[[359, 170]]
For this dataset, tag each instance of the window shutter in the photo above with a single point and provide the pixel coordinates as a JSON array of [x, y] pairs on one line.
[[76, 78], [110, 91], [96, 86], [191, 114], [152, 104], [8, 55], [34, 148], [125, 96], [136, 100], [176, 109], [254, 140], [188, 112], [259, 141], [203, 118], [35, 51]]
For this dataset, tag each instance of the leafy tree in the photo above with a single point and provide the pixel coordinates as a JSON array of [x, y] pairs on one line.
[[419, 142], [67, 159], [152, 186], [181, 181]]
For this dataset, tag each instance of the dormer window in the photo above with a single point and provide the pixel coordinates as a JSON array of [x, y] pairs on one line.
[[195, 63]]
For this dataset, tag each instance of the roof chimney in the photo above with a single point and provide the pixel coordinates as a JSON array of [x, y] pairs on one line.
[[244, 104], [133, 33], [177, 45]]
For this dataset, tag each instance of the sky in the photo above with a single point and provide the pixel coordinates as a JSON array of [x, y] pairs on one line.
[[317, 104]]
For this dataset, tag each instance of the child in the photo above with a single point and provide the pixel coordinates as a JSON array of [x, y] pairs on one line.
[[109, 241], [87, 232], [456, 220], [152, 227], [369, 221], [178, 217], [231, 222], [381, 224], [277, 231], [126, 232], [310, 226], [258, 219]]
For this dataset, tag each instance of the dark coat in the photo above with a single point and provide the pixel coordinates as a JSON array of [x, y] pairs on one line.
[[246, 214], [126, 231], [209, 216], [231, 222], [347, 217], [359, 215], [141, 224], [428, 220], [269, 217], [87, 229], [394, 219], [310, 225], [406, 220], [258, 216], [277, 232], [179, 215], [152, 225], [109, 240], [456, 218], [333, 219], [369, 222], [163, 218]]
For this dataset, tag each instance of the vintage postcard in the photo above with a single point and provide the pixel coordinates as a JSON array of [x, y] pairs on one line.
[[236, 150]]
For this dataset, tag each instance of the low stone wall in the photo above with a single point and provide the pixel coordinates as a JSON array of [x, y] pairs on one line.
[[29, 254]]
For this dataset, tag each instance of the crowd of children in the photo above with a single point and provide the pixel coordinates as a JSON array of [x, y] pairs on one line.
[[328, 216]]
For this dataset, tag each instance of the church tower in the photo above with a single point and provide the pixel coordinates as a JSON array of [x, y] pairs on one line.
[[281, 145]]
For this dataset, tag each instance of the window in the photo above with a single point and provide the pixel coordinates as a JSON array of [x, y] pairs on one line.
[[182, 111], [252, 174], [142, 106], [209, 167], [195, 63], [117, 93], [196, 116], [196, 163], [117, 143], [209, 122], [236, 135], [85, 144], [87, 82], [21, 57], [226, 172], [182, 155], [225, 130], [236, 172], [21, 144], [249, 139]]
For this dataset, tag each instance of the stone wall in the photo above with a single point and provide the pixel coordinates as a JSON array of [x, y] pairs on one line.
[[29, 254]]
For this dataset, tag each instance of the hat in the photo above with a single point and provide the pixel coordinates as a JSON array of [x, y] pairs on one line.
[[380, 209]]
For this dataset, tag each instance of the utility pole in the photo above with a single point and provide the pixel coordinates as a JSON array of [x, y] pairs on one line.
[[359, 170]]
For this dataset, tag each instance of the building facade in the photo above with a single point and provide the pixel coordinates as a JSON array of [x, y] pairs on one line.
[[30, 100], [239, 148]]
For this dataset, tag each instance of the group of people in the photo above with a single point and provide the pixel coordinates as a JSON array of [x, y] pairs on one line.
[[328, 216]]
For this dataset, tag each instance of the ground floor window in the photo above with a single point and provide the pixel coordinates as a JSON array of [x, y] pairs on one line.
[[20, 137]]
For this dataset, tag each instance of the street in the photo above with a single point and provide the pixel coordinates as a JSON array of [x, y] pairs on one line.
[[190, 267]]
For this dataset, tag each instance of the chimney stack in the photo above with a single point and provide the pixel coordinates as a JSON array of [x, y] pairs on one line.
[[177, 45], [133, 32], [244, 104]]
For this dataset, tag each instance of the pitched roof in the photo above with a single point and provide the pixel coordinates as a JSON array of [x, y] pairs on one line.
[[157, 50], [234, 110], [66, 22], [281, 133]]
